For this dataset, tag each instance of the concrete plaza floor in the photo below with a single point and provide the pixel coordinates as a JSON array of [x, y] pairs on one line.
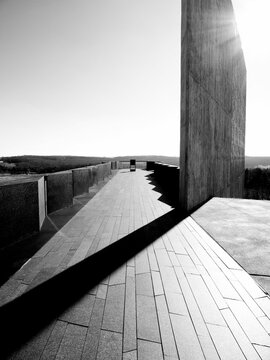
[[128, 278]]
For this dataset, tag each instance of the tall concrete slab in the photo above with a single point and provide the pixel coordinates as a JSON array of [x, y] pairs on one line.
[[213, 101]]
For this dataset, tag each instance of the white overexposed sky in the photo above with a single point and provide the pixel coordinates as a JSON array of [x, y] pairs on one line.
[[102, 77]]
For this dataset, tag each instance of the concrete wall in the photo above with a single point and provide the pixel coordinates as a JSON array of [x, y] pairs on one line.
[[22, 209], [41, 201], [23, 202], [213, 97], [59, 191], [80, 181], [168, 177]]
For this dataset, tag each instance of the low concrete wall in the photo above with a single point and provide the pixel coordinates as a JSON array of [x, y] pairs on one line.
[[150, 165], [114, 165], [41, 201], [168, 177], [80, 181], [59, 191], [22, 209], [23, 202], [84, 178]]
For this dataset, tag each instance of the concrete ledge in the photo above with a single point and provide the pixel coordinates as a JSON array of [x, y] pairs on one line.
[[59, 191], [80, 181], [242, 228], [22, 209], [23, 202], [168, 177]]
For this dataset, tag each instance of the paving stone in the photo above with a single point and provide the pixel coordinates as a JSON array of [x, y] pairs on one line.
[[118, 276], [93, 332], [167, 336], [167, 243], [169, 280], [114, 309], [225, 343], [173, 258], [264, 304], [263, 351], [186, 339], [144, 284], [11, 289], [157, 283], [110, 346], [252, 327], [265, 321], [219, 300], [251, 303], [152, 258], [208, 307], [241, 338], [149, 350], [131, 355], [142, 263], [102, 291], [162, 257], [80, 312], [249, 284], [54, 341], [72, 343], [176, 241], [187, 264], [176, 303], [33, 348], [147, 323], [42, 276], [130, 326]]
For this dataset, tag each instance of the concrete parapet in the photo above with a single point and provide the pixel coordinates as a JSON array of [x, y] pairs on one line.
[[168, 177], [80, 181], [22, 209], [23, 202], [150, 165], [59, 191], [114, 165]]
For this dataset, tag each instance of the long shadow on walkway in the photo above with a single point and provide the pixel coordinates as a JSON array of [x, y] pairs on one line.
[[31, 312]]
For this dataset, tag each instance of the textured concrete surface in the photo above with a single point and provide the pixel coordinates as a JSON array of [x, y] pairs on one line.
[[59, 191], [242, 228], [19, 210], [213, 96], [80, 181], [41, 201]]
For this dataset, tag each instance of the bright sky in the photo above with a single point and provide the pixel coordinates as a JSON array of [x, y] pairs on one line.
[[101, 77]]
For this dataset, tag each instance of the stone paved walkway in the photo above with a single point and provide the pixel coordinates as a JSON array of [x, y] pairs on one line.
[[174, 293]]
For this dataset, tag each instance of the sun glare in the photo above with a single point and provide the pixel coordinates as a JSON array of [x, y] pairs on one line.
[[253, 25]]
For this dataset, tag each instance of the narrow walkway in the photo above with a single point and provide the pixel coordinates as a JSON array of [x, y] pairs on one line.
[[174, 293]]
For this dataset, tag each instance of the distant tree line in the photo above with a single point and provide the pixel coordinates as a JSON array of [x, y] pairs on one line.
[[45, 164], [257, 183]]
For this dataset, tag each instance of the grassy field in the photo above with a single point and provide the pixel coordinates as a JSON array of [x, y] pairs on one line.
[[45, 164]]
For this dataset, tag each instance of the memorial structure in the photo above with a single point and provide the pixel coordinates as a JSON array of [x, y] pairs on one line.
[[213, 100]]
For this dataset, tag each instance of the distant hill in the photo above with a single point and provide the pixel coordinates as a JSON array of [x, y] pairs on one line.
[[250, 161], [172, 160], [47, 164], [253, 161]]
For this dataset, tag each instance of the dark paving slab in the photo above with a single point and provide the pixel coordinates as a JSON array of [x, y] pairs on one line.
[[242, 228]]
